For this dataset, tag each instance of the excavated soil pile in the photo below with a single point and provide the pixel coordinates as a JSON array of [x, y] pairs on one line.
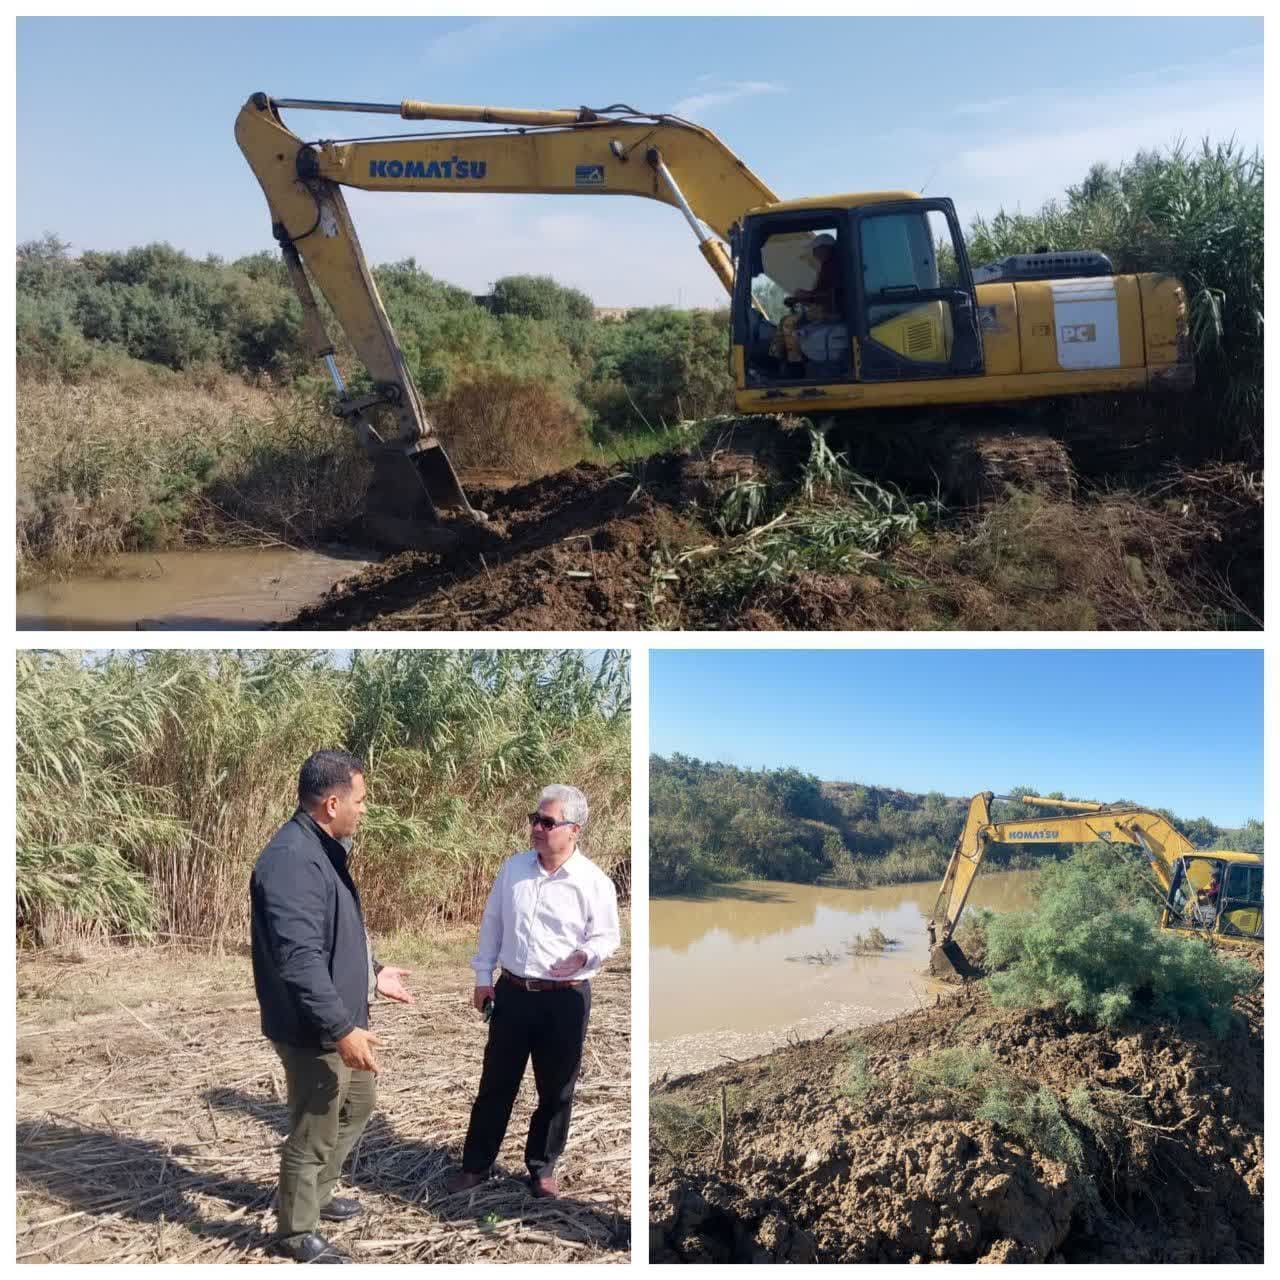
[[567, 552], [1172, 1172], [590, 548]]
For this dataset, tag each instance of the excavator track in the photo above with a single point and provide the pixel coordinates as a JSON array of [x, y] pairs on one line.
[[975, 458]]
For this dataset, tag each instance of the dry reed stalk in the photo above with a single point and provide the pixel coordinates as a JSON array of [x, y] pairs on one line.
[[133, 1148]]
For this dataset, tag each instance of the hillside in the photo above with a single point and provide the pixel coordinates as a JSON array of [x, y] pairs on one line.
[[711, 823]]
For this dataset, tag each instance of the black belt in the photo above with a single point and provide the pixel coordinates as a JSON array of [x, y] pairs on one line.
[[539, 984]]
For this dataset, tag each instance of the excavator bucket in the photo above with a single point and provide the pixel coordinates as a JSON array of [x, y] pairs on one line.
[[415, 501], [947, 961]]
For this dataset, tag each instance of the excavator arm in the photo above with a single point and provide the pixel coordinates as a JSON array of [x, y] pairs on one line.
[[1084, 823], [615, 151]]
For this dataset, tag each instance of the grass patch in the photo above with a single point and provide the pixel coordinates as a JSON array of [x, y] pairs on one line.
[[685, 1132], [145, 458], [855, 1080], [970, 1081], [1035, 1116], [957, 1073]]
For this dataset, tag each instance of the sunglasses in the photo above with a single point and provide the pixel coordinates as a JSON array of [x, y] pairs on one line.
[[547, 824]]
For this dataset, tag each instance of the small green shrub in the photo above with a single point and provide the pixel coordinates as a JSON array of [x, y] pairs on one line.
[[1035, 1116], [959, 1073], [855, 1080], [685, 1132]]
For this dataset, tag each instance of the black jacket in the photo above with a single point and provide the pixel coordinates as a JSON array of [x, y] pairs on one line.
[[310, 951]]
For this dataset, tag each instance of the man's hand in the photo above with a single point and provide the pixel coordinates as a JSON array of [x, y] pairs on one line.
[[480, 995], [389, 984], [356, 1050], [570, 965]]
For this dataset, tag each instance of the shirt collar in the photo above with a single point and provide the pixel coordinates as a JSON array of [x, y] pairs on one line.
[[567, 868], [335, 848]]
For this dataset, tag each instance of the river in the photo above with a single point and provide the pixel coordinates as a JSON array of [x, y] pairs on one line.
[[728, 976], [210, 589]]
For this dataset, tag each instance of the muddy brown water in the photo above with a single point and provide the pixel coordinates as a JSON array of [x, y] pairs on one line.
[[724, 984], [217, 589]]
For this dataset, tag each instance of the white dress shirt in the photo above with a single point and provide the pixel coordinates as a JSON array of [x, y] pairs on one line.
[[535, 919]]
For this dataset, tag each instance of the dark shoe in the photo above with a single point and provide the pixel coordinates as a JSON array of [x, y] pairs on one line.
[[544, 1188], [341, 1209], [310, 1248], [465, 1181]]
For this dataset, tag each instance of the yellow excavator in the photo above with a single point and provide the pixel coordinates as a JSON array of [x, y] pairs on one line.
[[1214, 895], [846, 302]]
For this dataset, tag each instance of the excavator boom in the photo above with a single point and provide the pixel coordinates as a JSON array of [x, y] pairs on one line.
[[1083, 822], [615, 151]]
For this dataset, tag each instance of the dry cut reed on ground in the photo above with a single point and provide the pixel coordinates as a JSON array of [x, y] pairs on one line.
[[150, 1111]]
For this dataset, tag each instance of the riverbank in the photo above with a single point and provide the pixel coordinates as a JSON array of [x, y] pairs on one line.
[[1147, 1147], [150, 1110], [147, 459]]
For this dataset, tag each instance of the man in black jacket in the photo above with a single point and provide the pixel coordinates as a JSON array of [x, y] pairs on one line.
[[314, 972]]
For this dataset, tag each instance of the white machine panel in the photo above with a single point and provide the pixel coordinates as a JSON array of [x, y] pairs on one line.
[[1086, 319]]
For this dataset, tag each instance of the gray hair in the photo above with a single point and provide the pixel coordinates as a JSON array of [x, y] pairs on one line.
[[572, 802]]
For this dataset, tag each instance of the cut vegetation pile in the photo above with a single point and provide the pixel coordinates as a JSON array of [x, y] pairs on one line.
[[150, 1111], [735, 529], [967, 1133]]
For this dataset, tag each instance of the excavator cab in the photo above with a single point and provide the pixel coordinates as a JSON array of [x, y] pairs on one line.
[[905, 309], [1218, 895]]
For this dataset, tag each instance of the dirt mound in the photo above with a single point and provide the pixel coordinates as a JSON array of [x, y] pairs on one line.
[[566, 552], [673, 542], [1169, 1166]]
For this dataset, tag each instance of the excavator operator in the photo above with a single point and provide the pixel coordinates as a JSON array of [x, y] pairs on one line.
[[816, 344], [826, 298], [1206, 909]]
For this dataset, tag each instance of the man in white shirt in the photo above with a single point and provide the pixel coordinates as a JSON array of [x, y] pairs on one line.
[[550, 923]]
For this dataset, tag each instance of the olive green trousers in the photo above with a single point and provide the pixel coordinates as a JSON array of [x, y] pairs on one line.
[[329, 1106]]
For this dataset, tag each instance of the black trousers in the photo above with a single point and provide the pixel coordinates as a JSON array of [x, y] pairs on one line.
[[549, 1027]]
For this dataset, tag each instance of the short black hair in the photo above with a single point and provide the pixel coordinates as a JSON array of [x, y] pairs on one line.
[[325, 772]]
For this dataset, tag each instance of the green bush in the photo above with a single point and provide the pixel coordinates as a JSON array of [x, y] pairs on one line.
[[659, 366], [1196, 214], [1088, 948], [970, 1082], [1035, 1116]]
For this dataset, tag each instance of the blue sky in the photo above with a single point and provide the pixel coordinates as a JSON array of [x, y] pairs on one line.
[[124, 126], [1179, 729]]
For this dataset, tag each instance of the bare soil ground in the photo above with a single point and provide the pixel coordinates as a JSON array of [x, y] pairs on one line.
[[150, 1111], [809, 1173], [599, 548]]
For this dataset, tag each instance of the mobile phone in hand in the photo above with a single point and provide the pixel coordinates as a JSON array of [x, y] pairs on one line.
[[486, 1008]]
